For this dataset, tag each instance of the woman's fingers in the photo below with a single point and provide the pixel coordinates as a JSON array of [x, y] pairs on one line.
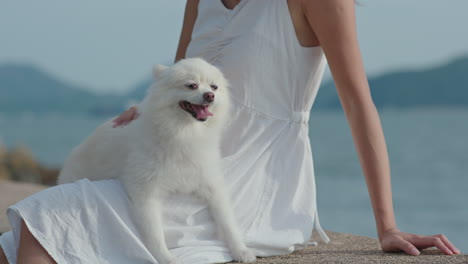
[[448, 243], [407, 247], [118, 122], [126, 117], [410, 243], [134, 114], [437, 242], [431, 241]]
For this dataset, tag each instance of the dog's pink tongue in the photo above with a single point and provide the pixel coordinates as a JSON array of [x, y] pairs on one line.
[[202, 111]]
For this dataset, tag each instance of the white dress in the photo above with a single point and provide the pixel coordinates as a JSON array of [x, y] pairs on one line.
[[266, 155]]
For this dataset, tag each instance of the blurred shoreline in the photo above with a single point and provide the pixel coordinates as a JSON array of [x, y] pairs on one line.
[[19, 164]]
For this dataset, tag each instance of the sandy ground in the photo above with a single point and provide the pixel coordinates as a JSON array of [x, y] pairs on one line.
[[343, 248], [347, 248]]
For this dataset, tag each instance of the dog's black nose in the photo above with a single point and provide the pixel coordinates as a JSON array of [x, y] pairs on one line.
[[209, 96]]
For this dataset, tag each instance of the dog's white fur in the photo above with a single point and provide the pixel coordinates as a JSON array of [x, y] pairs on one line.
[[166, 150]]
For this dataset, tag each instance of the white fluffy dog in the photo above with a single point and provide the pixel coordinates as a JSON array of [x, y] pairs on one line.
[[172, 147]]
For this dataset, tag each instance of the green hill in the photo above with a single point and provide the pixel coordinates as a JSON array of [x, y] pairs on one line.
[[445, 85], [25, 88]]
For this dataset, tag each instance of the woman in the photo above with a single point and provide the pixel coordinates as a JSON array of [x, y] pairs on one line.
[[273, 53]]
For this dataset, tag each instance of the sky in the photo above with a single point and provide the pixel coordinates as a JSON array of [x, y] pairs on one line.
[[111, 45]]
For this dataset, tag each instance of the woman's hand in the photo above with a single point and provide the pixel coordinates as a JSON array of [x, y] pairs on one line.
[[393, 240], [126, 117]]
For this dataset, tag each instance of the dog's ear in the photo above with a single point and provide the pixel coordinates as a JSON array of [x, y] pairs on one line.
[[158, 71]]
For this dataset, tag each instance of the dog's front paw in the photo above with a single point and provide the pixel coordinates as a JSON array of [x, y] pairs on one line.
[[244, 255]]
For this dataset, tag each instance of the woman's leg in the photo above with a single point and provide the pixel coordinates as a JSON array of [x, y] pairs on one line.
[[3, 259], [30, 251]]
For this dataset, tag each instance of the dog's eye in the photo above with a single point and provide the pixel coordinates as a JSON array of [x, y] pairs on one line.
[[192, 86], [214, 87]]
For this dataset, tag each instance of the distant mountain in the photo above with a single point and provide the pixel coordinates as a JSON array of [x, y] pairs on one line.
[[445, 85], [25, 88]]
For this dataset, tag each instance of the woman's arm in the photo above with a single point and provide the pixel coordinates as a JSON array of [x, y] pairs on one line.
[[190, 16], [333, 22]]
